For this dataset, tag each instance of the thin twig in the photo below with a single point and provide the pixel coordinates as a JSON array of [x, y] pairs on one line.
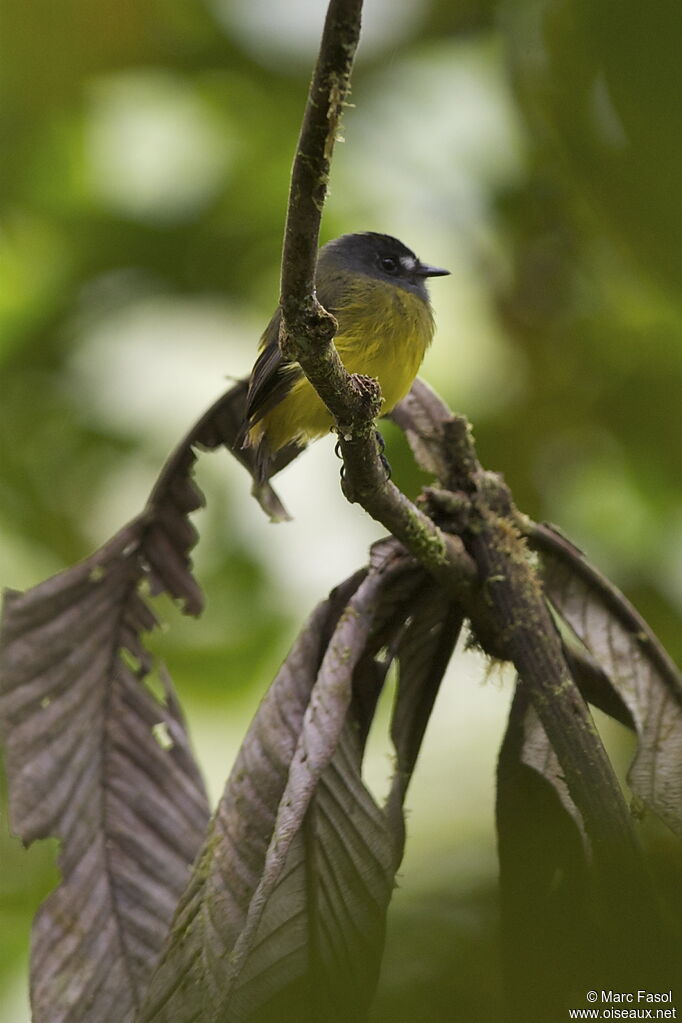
[[327, 97]]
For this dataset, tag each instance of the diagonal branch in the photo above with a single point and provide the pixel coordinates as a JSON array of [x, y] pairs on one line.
[[512, 621], [523, 625]]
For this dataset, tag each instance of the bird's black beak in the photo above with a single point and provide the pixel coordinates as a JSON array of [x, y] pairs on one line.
[[424, 270]]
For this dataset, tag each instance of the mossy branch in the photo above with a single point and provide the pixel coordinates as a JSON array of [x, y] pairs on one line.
[[524, 633]]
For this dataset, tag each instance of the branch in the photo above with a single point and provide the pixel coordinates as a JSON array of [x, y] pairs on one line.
[[307, 330], [522, 622], [306, 326], [507, 608], [511, 619]]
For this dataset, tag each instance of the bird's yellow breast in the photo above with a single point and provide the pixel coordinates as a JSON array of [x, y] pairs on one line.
[[384, 332]]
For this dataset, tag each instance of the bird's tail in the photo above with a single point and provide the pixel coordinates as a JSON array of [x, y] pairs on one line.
[[256, 454]]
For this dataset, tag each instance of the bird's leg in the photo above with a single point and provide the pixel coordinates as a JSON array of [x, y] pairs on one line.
[[382, 457], [339, 454], [381, 444]]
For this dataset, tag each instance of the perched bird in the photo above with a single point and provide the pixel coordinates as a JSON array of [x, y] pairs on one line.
[[376, 288]]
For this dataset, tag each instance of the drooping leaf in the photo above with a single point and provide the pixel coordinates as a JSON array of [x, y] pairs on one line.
[[95, 759], [555, 922], [359, 846], [591, 679], [420, 415], [213, 952], [423, 653], [220, 426], [535, 751], [595, 686], [340, 827], [284, 918], [547, 927], [644, 677]]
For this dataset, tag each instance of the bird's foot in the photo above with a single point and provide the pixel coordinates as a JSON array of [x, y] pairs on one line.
[[385, 464]]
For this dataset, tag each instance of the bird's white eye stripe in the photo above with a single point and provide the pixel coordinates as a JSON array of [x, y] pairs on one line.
[[408, 263]]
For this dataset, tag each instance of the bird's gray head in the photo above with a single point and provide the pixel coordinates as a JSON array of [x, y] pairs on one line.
[[382, 257]]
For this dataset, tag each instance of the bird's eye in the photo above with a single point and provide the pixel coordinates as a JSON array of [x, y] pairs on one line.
[[389, 264]]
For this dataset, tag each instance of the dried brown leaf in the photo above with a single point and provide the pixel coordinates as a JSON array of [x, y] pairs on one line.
[[286, 911], [639, 669], [95, 759]]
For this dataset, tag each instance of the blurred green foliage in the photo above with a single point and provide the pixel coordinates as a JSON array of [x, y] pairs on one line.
[[535, 146]]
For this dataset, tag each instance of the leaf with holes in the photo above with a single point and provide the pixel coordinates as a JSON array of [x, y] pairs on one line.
[[96, 760]]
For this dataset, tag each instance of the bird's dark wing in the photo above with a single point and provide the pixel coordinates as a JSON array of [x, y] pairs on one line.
[[272, 376]]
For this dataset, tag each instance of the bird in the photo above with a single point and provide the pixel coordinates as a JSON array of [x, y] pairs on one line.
[[375, 287]]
